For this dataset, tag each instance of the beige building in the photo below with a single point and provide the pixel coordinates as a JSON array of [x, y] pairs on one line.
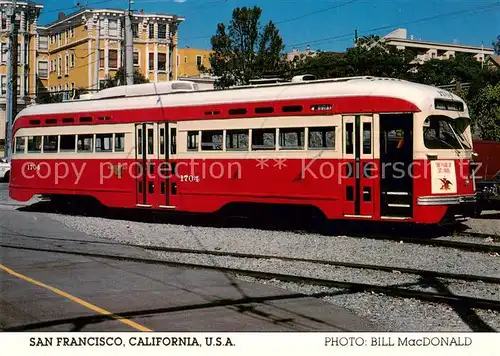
[[434, 50], [27, 14], [74, 50]]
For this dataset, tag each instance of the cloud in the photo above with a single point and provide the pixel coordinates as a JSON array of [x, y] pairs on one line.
[[180, 0]]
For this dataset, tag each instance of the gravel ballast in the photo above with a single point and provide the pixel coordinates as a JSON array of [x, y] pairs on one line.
[[396, 314]]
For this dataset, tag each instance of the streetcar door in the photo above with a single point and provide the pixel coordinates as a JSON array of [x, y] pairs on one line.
[[396, 157], [145, 165], [167, 133], [358, 167]]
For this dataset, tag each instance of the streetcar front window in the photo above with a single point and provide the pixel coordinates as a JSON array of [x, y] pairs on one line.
[[442, 132]]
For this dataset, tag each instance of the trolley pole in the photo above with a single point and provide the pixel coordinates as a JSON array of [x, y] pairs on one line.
[[11, 94], [129, 46]]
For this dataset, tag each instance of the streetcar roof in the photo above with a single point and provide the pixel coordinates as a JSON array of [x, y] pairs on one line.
[[422, 96]]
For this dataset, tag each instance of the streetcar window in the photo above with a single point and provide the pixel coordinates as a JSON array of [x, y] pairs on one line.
[[264, 110], [441, 132], [192, 144], [367, 137], [139, 141], [162, 141], [292, 108], [50, 143], [321, 138], [68, 120], [20, 144], [51, 121], [240, 111], [104, 118], [67, 143], [34, 143], [237, 140], [150, 141], [86, 119], [263, 139], [34, 122], [119, 142], [103, 142], [292, 139], [213, 112], [211, 140], [349, 138], [173, 140], [85, 143]]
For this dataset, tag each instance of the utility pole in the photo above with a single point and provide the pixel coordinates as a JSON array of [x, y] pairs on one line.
[[129, 46], [356, 37], [11, 95], [97, 63]]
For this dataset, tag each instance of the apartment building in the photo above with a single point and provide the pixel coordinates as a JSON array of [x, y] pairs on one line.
[[80, 41], [27, 14], [189, 59], [433, 50]]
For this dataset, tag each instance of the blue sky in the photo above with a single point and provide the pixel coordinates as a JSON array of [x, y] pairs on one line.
[[332, 22]]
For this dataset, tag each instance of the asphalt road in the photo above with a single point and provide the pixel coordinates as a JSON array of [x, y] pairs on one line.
[[48, 291]]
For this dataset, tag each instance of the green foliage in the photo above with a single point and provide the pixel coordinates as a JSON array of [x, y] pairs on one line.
[[243, 50], [43, 96], [485, 113], [496, 46], [368, 58], [119, 79]]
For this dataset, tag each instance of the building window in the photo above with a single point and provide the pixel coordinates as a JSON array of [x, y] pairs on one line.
[[101, 58], [72, 60], [18, 85], [43, 69], [43, 43], [19, 52], [59, 39], [162, 31], [151, 61], [66, 64], [198, 61], [135, 30], [113, 58], [59, 66], [4, 52], [178, 60], [71, 32], [162, 61], [136, 59], [113, 28], [185, 59], [151, 28], [3, 80]]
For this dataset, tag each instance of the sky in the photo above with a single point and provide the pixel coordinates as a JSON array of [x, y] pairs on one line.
[[326, 25]]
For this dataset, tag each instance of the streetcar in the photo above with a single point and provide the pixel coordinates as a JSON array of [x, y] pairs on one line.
[[357, 148]]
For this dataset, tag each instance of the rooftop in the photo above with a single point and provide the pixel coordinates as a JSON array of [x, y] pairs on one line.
[[62, 17], [401, 34]]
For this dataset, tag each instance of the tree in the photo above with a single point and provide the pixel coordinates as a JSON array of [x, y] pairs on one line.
[[370, 57], [243, 51], [485, 113], [496, 46], [119, 79]]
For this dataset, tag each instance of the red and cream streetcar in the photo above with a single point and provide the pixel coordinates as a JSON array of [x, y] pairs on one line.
[[355, 148]]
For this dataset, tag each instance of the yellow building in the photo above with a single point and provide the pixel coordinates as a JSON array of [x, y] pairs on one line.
[[189, 59], [76, 54], [27, 14]]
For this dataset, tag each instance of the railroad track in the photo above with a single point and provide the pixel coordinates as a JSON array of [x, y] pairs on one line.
[[391, 269], [354, 287], [459, 245]]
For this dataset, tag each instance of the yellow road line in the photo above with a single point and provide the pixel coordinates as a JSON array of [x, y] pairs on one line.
[[76, 300]]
